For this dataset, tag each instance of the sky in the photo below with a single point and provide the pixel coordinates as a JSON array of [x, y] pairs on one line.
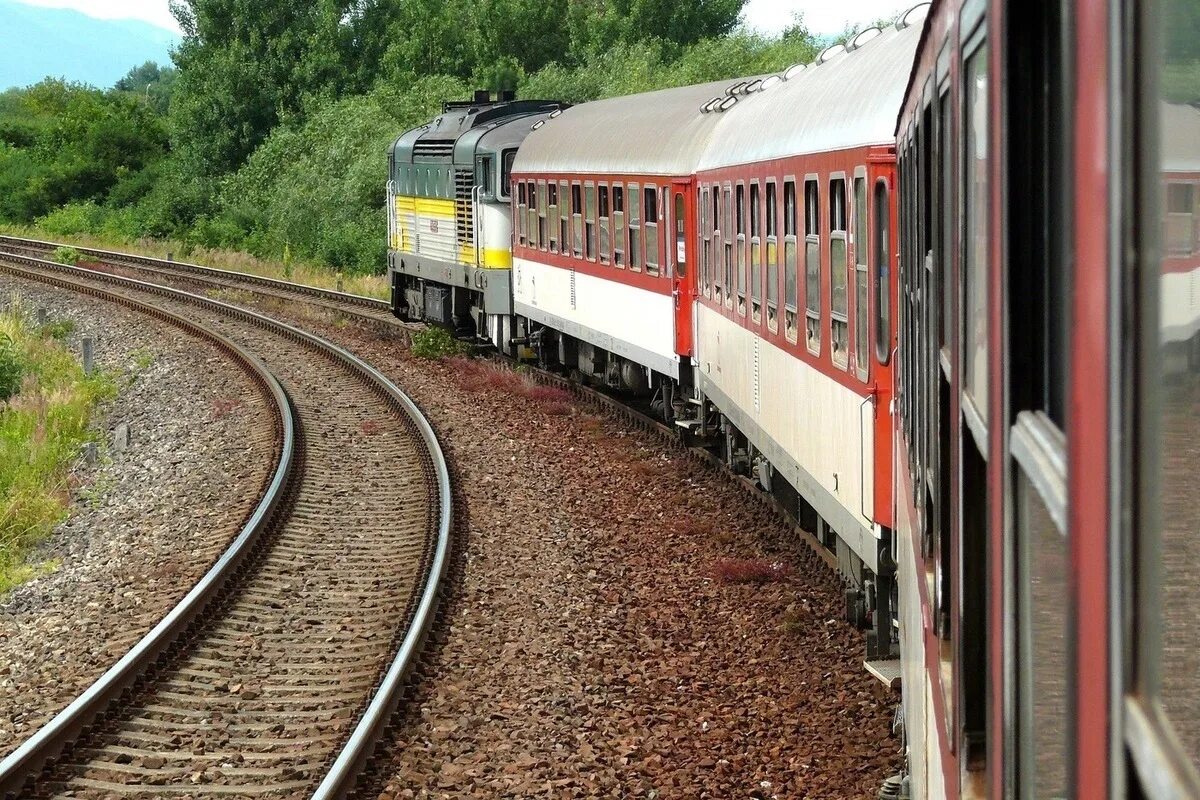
[[767, 16], [822, 17]]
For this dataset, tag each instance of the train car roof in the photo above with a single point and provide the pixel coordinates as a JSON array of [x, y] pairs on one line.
[[653, 133], [850, 100]]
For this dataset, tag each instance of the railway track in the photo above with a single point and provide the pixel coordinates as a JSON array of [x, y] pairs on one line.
[[366, 309], [281, 680]]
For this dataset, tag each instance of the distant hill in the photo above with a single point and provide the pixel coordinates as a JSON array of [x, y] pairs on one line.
[[37, 43]]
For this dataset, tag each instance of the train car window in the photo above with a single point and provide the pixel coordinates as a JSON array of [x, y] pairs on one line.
[[812, 266], [861, 248], [552, 213], [522, 213], [650, 208], [727, 230], [532, 195], [839, 343], [772, 259], [1163, 374], [791, 278], [755, 253], [881, 250], [975, 230], [543, 242], [589, 222], [945, 224], [635, 228], [564, 219], [506, 164], [618, 216], [705, 233], [605, 232], [740, 222], [576, 219]]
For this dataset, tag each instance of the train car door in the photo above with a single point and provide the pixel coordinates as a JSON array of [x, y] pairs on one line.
[[683, 289]]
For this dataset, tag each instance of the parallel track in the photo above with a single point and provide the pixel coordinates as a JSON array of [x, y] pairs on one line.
[[283, 683], [368, 309]]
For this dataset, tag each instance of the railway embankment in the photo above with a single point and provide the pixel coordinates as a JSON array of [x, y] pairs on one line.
[[179, 459]]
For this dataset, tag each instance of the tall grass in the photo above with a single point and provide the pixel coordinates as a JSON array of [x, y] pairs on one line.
[[43, 428]]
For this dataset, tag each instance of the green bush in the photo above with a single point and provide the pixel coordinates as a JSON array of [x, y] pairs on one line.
[[12, 367], [65, 255], [434, 342]]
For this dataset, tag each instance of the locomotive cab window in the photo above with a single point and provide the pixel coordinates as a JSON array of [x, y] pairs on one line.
[[812, 265], [506, 164], [772, 259], [838, 301]]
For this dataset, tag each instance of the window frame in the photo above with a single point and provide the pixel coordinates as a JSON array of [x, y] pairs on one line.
[[812, 253], [755, 233], [633, 224], [791, 266], [839, 213], [862, 271], [651, 198], [589, 221], [771, 257], [604, 222]]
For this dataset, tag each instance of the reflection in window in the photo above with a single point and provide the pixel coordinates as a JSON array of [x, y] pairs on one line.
[[1177, 393], [975, 191]]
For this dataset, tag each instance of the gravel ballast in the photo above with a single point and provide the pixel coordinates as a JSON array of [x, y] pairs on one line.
[[147, 521], [592, 650]]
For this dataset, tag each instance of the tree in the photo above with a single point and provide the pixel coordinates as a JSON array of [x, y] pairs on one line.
[[153, 83]]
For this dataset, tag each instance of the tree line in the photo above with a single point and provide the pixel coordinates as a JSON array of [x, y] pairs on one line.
[[270, 129]]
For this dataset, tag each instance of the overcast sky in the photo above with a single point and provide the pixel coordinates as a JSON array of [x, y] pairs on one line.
[[768, 16]]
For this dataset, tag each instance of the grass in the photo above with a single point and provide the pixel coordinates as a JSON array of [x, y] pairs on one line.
[[750, 570], [299, 272], [477, 375], [43, 426]]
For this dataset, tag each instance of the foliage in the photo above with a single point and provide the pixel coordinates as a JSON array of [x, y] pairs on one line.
[[434, 342], [12, 368], [151, 83], [42, 428], [65, 255]]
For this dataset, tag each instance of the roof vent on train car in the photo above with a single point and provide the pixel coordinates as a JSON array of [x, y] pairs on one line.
[[911, 16], [830, 52], [727, 103], [863, 37], [711, 105], [556, 113], [753, 86], [773, 80], [793, 71], [736, 88], [537, 124]]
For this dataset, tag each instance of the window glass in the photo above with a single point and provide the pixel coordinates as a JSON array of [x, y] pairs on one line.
[[522, 207], [485, 174], [975, 196], [651, 211], [861, 248], [812, 265], [564, 226], [680, 236], [755, 250], [618, 214], [791, 280], [838, 275], [605, 223], [1170, 276], [881, 247], [534, 241], [590, 222], [577, 219], [552, 213], [772, 253], [635, 223], [727, 230], [541, 213]]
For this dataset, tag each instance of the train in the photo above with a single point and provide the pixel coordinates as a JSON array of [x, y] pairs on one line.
[[938, 293]]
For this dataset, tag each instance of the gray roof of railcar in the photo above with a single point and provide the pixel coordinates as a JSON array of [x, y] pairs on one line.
[[851, 100], [655, 133]]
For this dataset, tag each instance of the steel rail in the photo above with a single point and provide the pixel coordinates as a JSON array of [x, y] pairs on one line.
[[49, 741], [343, 772], [345, 298]]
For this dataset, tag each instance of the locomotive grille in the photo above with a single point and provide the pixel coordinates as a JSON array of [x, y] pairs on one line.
[[433, 149], [464, 210]]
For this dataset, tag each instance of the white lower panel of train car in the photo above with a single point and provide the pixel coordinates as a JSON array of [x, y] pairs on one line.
[[634, 323], [814, 430]]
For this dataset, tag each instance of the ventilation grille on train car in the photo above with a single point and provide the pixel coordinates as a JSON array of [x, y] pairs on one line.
[[464, 220], [433, 149]]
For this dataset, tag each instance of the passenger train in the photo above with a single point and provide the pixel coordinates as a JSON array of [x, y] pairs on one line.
[[937, 292]]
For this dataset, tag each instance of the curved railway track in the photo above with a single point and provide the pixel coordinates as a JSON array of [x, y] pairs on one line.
[[367, 309], [282, 680]]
